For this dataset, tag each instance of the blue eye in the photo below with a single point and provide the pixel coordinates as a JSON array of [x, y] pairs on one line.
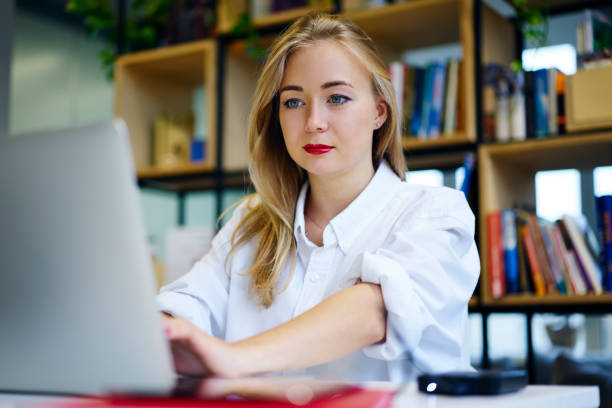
[[292, 103], [338, 99]]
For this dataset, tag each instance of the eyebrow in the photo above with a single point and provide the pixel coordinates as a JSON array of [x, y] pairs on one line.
[[324, 86]]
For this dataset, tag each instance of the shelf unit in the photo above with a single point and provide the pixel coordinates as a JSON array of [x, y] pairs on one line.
[[507, 173], [151, 83]]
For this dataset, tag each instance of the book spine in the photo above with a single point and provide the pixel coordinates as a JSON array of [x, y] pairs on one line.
[[450, 108], [553, 115], [536, 273], [529, 104], [524, 278], [437, 99], [534, 229], [562, 254], [427, 96], [604, 215], [511, 266], [419, 89], [583, 254], [554, 259], [541, 102], [570, 248], [496, 255]]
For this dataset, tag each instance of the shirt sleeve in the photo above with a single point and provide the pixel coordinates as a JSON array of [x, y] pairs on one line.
[[200, 296], [427, 271]]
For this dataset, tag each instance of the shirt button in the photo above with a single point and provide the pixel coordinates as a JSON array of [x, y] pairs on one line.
[[315, 277]]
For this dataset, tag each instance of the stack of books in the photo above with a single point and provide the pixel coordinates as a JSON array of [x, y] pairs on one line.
[[531, 255], [428, 98], [522, 105]]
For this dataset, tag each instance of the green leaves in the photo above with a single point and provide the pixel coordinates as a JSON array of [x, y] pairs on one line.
[[145, 25], [533, 19]]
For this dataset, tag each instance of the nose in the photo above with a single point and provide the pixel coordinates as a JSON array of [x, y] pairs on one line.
[[316, 121]]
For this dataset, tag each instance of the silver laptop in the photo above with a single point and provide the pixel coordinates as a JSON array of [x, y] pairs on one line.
[[77, 308]]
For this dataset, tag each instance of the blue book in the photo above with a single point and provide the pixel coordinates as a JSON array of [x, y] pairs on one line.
[[437, 99], [468, 166], [417, 107], [540, 94], [427, 95], [511, 266], [604, 232]]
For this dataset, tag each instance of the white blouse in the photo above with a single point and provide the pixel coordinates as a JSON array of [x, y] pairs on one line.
[[416, 242]]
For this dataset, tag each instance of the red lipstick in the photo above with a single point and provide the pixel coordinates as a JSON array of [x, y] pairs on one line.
[[317, 148]]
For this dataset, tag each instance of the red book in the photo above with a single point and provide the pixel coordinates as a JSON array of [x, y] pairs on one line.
[[497, 283]]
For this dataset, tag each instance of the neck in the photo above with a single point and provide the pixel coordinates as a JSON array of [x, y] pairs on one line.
[[330, 195]]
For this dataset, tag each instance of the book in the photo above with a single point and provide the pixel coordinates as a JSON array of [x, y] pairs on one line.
[[556, 266], [496, 255], [534, 265], [437, 100], [570, 248], [541, 104], [553, 115], [529, 104], [586, 259], [525, 280], [511, 267], [419, 90], [604, 230], [469, 163], [427, 100], [518, 115], [561, 103], [574, 281], [540, 249], [450, 106]]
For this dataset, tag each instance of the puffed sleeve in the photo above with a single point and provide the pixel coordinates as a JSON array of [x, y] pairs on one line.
[[427, 271], [200, 296]]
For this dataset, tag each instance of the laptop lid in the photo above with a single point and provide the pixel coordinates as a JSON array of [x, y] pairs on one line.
[[77, 308]]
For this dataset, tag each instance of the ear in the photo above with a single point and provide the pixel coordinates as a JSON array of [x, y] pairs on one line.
[[381, 113]]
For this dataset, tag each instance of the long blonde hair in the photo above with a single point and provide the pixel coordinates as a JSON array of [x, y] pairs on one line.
[[276, 177]]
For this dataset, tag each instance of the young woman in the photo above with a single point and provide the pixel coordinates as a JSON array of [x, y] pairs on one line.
[[336, 267]]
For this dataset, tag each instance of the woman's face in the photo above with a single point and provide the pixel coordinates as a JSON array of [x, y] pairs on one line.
[[328, 111]]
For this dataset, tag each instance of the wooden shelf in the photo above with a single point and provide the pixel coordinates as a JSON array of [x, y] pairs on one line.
[[411, 24], [286, 16], [530, 300], [414, 143], [152, 172], [151, 83]]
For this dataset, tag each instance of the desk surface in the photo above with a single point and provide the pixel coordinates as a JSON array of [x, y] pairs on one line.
[[539, 396]]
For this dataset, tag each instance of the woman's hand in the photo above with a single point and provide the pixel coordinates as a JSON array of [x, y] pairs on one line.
[[197, 353]]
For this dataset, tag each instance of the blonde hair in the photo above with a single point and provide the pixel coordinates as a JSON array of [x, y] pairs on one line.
[[276, 177]]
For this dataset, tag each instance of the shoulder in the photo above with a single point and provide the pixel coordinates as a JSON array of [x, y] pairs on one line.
[[428, 202]]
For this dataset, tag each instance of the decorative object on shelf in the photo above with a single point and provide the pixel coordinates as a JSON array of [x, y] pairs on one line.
[[172, 141], [148, 24]]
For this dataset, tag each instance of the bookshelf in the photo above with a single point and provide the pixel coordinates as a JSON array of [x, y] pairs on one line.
[[151, 83], [507, 174]]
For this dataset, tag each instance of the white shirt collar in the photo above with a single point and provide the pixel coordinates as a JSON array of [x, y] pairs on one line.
[[352, 219]]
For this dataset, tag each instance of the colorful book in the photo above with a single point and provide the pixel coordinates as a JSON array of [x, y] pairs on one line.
[[574, 281], [496, 255], [536, 234], [534, 265], [554, 259], [541, 104], [525, 279], [417, 107], [450, 106], [570, 248], [427, 98], [604, 229], [511, 267], [586, 259], [437, 100]]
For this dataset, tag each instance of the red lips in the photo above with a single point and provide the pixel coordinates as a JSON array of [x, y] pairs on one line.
[[317, 148]]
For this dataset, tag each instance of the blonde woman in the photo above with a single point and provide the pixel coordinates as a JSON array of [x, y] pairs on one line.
[[336, 267]]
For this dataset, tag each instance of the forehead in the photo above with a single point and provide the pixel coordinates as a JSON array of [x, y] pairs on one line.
[[322, 62]]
